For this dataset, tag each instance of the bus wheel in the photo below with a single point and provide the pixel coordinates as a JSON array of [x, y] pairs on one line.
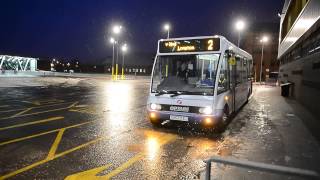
[[156, 124], [223, 121]]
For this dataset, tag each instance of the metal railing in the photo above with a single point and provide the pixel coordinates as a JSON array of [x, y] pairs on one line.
[[276, 169]]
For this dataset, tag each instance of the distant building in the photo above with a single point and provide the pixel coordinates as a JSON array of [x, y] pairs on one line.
[[137, 63], [251, 43], [17, 63], [299, 50]]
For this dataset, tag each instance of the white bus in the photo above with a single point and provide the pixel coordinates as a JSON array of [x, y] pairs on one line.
[[200, 80]]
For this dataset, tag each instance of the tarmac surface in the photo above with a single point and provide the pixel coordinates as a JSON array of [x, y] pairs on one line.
[[95, 128]]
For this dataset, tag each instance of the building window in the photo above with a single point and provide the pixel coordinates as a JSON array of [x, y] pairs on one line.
[[292, 14]]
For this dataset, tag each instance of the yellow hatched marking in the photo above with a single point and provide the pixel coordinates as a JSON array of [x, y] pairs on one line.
[[23, 169], [47, 159], [41, 112], [32, 123], [80, 146], [44, 133], [89, 110], [22, 112], [55, 144], [162, 141], [48, 101], [34, 107], [91, 174], [125, 165]]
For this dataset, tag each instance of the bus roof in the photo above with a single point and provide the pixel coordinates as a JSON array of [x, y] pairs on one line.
[[224, 45]]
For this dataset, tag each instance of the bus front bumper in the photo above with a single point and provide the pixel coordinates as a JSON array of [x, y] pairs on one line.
[[205, 120]]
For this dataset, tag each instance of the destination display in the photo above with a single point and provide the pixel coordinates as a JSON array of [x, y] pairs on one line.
[[189, 45]]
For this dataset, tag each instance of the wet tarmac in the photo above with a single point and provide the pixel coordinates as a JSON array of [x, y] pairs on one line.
[[97, 129]]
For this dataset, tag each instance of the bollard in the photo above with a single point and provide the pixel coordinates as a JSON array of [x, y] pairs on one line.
[[208, 170], [112, 73]]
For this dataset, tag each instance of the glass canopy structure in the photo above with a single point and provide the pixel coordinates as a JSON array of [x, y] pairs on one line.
[[18, 63]]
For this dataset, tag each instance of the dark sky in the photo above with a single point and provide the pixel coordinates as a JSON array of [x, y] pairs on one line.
[[80, 28]]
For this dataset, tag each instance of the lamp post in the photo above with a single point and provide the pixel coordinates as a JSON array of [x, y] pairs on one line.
[[112, 41], [240, 25], [167, 28], [263, 41], [124, 49], [116, 30]]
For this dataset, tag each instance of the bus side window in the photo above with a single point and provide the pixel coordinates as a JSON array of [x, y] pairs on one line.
[[245, 70], [224, 75], [238, 70], [251, 69]]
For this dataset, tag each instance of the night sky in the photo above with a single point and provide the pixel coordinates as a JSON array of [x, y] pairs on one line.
[[81, 28]]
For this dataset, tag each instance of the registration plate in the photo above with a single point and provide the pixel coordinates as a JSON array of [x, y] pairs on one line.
[[179, 108], [178, 118]]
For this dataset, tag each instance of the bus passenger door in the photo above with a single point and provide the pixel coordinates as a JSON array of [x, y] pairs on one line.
[[232, 75], [240, 87]]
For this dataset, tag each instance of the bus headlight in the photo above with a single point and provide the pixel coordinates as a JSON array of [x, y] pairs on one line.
[[205, 110], [154, 106]]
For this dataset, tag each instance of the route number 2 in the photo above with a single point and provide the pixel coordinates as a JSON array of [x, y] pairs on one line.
[[210, 45]]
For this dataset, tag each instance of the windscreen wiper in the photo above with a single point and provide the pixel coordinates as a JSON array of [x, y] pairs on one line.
[[161, 92], [178, 93]]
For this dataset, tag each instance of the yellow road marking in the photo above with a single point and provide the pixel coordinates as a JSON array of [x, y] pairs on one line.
[[55, 144], [43, 133], [40, 102], [41, 112], [125, 165], [92, 173], [47, 160], [48, 101], [163, 140], [28, 137], [22, 112], [34, 107], [88, 110], [36, 103], [88, 174], [23, 169], [79, 147], [29, 102], [32, 123]]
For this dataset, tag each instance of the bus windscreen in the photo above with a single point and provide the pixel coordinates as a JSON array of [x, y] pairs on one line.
[[189, 45]]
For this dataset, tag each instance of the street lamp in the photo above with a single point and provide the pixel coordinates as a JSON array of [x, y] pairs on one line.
[[263, 40], [112, 41], [240, 25], [124, 49], [117, 30], [167, 28]]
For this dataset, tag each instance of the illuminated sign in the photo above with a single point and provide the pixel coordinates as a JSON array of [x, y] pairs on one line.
[[186, 48], [189, 45]]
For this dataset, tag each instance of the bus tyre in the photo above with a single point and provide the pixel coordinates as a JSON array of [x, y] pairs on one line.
[[248, 96], [156, 124], [223, 121]]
